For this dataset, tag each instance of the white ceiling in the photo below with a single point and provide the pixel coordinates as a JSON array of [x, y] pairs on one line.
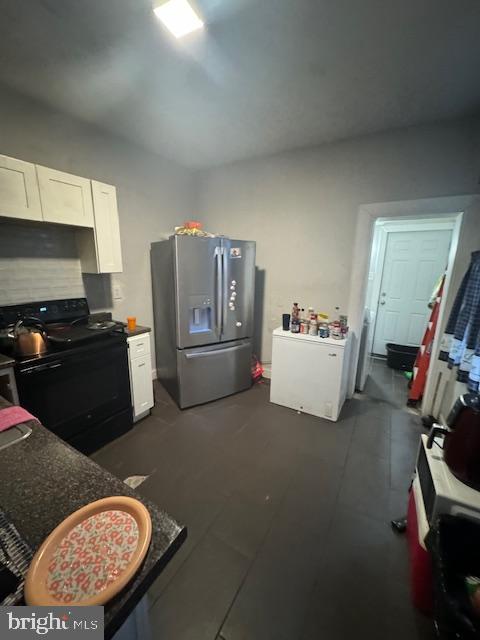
[[264, 76]]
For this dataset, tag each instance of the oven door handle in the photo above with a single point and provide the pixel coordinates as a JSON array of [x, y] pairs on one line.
[[41, 367]]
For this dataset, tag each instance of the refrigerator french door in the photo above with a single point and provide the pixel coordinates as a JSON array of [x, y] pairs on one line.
[[203, 293]]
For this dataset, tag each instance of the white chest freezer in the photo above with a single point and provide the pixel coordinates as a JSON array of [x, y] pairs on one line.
[[309, 374]]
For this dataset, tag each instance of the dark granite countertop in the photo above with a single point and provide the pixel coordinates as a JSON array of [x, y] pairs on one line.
[[6, 361], [43, 480], [139, 329]]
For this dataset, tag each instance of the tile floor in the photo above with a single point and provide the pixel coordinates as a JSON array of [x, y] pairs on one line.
[[288, 516]]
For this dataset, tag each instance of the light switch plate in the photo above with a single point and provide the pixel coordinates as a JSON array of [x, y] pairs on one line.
[[117, 291]]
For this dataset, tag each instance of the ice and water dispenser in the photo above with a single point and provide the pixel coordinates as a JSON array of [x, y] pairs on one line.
[[201, 314]]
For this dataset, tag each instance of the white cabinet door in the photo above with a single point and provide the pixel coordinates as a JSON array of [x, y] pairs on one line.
[[107, 228], [19, 195], [65, 198], [142, 386]]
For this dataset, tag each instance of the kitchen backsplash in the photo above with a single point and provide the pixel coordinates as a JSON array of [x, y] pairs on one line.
[[38, 262]]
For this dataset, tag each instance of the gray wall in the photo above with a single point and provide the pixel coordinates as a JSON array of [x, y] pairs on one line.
[[154, 195], [301, 207]]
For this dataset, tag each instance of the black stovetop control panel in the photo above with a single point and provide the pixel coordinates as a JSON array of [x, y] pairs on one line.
[[47, 311]]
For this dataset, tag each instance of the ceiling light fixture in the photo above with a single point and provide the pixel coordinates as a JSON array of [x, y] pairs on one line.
[[178, 16]]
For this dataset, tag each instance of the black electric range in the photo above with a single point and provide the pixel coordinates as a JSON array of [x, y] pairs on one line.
[[80, 387]]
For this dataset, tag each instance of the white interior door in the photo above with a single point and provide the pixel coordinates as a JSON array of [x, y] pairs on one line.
[[414, 260]]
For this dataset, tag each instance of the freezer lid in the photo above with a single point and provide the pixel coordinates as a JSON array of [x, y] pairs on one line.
[[304, 337], [198, 294], [238, 260]]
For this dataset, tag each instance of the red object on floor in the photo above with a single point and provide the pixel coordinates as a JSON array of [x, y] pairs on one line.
[[422, 361], [421, 586], [257, 369]]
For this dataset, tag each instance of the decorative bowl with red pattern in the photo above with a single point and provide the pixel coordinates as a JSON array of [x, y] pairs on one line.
[[91, 556]]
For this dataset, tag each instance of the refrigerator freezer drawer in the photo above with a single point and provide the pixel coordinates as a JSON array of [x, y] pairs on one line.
[[215, 371]]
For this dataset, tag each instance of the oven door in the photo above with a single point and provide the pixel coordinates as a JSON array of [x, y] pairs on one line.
[[75, 391]]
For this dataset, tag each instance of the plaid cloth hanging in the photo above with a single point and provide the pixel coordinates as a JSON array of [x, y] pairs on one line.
[[460, 345]]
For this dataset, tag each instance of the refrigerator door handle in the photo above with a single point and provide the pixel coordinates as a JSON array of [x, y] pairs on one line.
[[213, 352], [218, 290], [225, 287]]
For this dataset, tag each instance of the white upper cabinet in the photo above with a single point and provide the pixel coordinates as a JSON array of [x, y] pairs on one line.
[[34, 192], [107, 228], [65, 198], [19, 196], [99, 248]]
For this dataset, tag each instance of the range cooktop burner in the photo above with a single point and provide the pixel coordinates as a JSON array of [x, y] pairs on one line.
[[56, 326], [102, 326]]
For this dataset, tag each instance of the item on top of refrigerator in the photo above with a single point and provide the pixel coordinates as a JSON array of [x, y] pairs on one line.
[[304, 326], [322, 317], [343, 321], [192, 228], [295, 311], [286, 321], [311, 314]]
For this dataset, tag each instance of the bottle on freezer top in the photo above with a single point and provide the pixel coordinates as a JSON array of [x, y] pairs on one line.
[[295, 321], [323, 330], [295, 325], [313, 327]]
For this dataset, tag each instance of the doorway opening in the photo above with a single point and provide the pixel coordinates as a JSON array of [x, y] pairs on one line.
[[409, 260]]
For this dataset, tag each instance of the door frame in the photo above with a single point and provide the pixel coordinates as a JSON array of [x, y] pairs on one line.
[[367, 215], [382, 231]]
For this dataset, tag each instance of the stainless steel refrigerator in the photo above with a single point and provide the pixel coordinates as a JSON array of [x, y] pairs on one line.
[[203, 293]]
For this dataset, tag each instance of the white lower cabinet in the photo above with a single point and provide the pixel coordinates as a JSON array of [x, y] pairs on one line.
[[141, 385], [309, 374]]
